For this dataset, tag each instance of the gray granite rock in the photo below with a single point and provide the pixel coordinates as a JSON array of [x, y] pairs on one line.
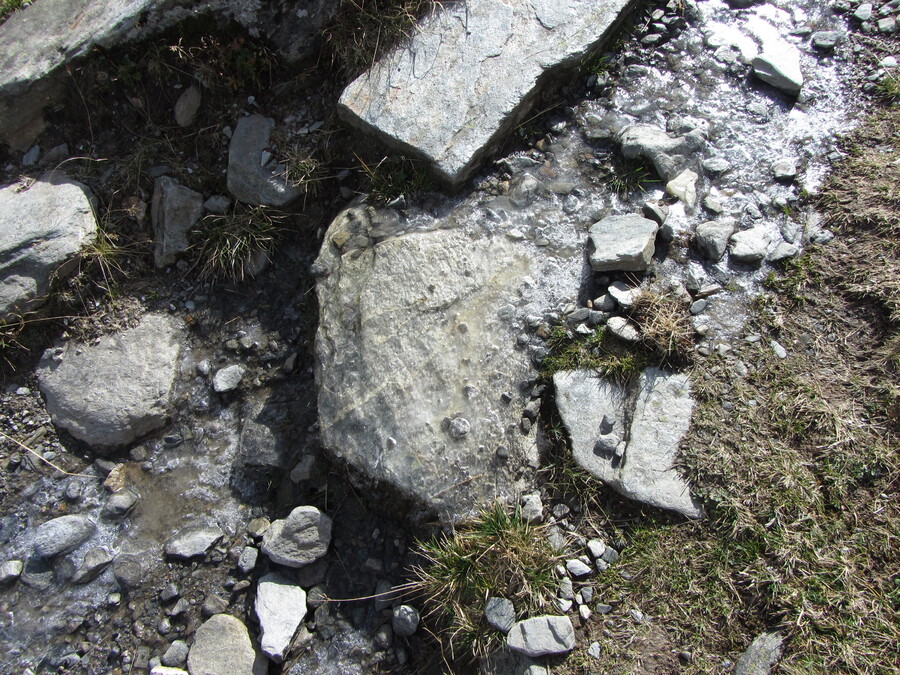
[[761, 655], [249, 180], [470, 73], [10, 571], [42, 230], [749, 246], [228, 378], [542, 635], [222, 646], [669, 155], [110, 393], [711, 238], [176, 655], [62, 535], [95, 561], [406, 321], [622, 243], [500, 613], [660, 407], [280, 607], [174, 212], [299, 539], [192, 541], [405, 620]]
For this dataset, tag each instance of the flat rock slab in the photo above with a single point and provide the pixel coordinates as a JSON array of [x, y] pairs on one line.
[[414, 348], [659, 407], [280, 607], [110, 393], [192, 541], [622, 243], [62, 535], [42, 229], [470, 73], [222, 646], [542, 635]]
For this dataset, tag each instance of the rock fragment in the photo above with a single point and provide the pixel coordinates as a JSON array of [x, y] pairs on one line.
[[42, 230], [542, 635], [779, 66], [280, 607], [500, 613], [110, 393], [405, 620], [761, 655], [186, 106], [174, 212], [711, 238], [299, 539], [249, 180], [192, 541], [62, 535], [222, 646], [622, 243]]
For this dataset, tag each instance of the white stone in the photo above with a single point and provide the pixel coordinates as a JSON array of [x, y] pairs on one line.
[[684, 187], [301, 538], [228, 378], [222, 646], [622, 243], [542, 635], [280, 607], [779, 66]]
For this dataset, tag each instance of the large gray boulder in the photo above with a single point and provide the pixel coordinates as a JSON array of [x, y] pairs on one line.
[[222, 646], [301, 538], [110, 393], [542, 635], [470, 73], [249, 180], [42, 229], [636, 459], [280, 607], [174, 211], [622, 243], [415, 347], [41, 39]]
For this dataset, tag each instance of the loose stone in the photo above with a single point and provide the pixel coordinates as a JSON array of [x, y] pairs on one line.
[[222, 645], [192, 541], [62, 535], [280, 607], [542, 635], [299, 539], [405, 620], [500, 613]]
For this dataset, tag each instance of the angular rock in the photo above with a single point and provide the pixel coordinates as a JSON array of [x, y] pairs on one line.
[[174, 212], [669, 155], [500, 613], [827, 40], [299, 539], [192, 541], [592, 408], [622, 243], [623, 329], [176, 655], [129, 570], [749, 246], [95, 561], [785, 169], [542, 635], [228, 378], [222, 646], [248, 179], [684, 187], [405, 322], [110, 393], [247, 559], [119, 504], [62, 535], [711, 238], [779, 66], [470, 73], [280, 607], [10, 571], [42, 229], [761, 655]]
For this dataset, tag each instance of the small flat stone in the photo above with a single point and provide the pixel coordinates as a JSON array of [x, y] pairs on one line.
[[500, 613], [280, 607], [684, 188], [192, 541], [577, 568], [62, 535], [762, 654], [222, 646], [622, 243], [623, 329], [542, 635], [301, 538], [228, 378]]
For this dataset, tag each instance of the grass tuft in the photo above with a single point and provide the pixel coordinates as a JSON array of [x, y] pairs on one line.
[[232, 247], [495, 554], [665, 327]]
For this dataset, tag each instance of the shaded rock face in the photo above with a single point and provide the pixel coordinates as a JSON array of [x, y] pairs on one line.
[[111, 393], [248, 180], [629, 439], [41, 230], [413, 354], [31, 78], [470, 73]]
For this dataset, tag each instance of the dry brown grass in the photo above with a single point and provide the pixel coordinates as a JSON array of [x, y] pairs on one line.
[[664, 323]]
